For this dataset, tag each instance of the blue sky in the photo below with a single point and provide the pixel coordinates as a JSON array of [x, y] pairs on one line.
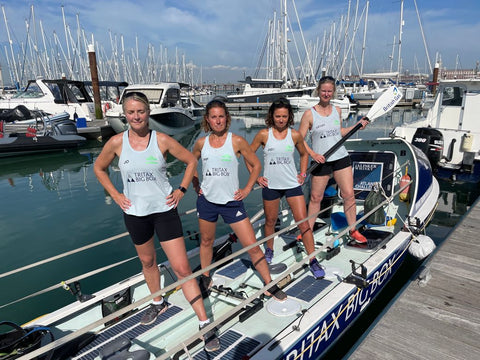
[[224, 36]]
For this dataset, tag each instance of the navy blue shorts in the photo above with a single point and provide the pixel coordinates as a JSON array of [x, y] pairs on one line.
[[231, 212], [330, 166], [274, 194], [166, 225]]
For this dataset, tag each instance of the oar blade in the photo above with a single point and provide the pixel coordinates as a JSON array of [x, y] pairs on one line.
[[385, 103]]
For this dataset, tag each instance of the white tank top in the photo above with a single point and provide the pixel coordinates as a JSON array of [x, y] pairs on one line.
[[325, 133], [144, 176], [219, 171], [279, 163]]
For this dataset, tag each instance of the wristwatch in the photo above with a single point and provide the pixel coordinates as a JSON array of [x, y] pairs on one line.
[[182, 189]]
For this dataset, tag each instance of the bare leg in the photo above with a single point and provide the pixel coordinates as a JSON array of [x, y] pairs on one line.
[[344, 179], [177, 256], [148, 258], [207, 235], [319, 183], [244, 231], [271, 216], [299, 210]]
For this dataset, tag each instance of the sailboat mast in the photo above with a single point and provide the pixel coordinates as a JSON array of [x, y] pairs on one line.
[[284, 64], [399, 67]]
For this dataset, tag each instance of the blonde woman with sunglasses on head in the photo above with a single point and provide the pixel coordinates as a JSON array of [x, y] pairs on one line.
[[150, 204]]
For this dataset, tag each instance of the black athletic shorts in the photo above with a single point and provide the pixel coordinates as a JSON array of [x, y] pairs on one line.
[[273, 194], [330, 166], [166, 225]]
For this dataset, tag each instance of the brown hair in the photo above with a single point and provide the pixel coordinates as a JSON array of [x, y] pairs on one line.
[[215, 103], [280, 103]]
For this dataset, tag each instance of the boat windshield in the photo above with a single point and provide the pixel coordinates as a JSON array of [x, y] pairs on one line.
[[452, 96], [32, 91], [153, 95]]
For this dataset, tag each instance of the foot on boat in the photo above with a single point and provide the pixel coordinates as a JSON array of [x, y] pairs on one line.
[[268, 255], [357, 237], [316, 269], [276, 293], [152, 312], [212, 342], [205, 283]]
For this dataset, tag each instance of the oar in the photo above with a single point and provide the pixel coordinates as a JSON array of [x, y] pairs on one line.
[[384, 104]]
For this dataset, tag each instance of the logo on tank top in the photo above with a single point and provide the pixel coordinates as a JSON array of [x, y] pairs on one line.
[[142, 176], [151, 160], [217, 171], [289, 148], [226, 157], [280, 160]]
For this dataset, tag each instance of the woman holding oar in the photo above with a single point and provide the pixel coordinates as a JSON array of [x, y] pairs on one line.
[[325, 126]]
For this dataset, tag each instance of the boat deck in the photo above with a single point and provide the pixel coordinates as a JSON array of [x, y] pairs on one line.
[[96, 130], [440, 319]]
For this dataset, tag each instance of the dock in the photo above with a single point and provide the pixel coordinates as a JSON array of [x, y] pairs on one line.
[[437, 316]]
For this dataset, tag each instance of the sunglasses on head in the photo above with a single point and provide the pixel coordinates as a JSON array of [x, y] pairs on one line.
[[281, 101], [326, 78], [136, 94]]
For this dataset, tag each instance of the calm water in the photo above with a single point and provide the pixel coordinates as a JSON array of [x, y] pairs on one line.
[[53, 203]]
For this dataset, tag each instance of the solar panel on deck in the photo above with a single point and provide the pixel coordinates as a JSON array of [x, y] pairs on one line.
[[307, 288], [130, 328], [235, 269], [241, 346]]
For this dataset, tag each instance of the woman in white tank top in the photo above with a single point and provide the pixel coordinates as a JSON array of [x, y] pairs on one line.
[[327, 117], [217, 191], [280, 176], [154, 211]]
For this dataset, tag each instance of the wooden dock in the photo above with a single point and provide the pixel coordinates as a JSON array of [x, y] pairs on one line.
[[440, 318]]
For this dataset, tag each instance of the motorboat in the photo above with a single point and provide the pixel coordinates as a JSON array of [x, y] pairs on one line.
[[249, 324], [266, 90], [19, 119], [44, 135], [307, 102], [169, 113], [449, 133], [53, 97]]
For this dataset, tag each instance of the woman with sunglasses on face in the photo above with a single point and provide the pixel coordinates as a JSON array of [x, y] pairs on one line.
[[150, 205], [220, 194], [280, 177], [324, 123]]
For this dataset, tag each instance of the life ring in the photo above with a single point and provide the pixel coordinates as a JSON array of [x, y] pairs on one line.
[[404, 181]]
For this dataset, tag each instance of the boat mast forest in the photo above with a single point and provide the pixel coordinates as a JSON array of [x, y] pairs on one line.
[[54, 56]]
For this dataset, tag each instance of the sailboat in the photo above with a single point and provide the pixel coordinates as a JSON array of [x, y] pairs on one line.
[[277, 82]]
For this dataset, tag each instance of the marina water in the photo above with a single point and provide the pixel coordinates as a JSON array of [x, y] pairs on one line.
[[52, 204]]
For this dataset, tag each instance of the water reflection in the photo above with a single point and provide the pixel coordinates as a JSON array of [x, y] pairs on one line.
[[50, 168]]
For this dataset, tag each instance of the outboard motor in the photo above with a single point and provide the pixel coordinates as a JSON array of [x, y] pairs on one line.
[[430, 141], [65, 127], [18, 113]]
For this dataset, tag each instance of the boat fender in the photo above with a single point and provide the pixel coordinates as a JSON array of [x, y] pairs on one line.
[[421, 246], [404, 181], [467, 143]]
